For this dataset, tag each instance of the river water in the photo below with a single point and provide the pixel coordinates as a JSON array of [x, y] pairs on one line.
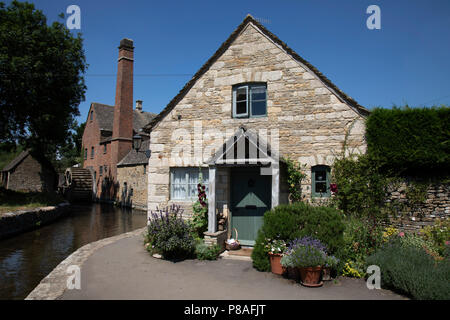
[[29, 257]]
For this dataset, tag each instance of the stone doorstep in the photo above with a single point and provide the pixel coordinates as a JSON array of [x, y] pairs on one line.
[[226, 255]]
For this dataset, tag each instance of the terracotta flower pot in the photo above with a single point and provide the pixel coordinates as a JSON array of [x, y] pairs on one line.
[[310, 276], [275, 263]]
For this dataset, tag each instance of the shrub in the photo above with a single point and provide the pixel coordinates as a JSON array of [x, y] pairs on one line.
[[361, 238], [362, 189], [411, 271], [205, 252], [169, 235], [438, 234], [409, 140], [288, 222]]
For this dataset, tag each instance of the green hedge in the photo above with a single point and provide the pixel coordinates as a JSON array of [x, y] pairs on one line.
[[411, 271], [409, 140], [288, 222]]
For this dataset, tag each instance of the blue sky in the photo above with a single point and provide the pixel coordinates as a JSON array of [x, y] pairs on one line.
[[407, 61]]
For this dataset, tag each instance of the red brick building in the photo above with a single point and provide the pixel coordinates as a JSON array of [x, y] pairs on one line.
[[109, 130]]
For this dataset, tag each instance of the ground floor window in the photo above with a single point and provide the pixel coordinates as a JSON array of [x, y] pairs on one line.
[[183, 182], [320, 176]]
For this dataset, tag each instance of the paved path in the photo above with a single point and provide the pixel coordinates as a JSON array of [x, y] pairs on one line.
[[125, 270]]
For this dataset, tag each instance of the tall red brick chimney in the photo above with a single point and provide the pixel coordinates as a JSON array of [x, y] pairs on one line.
[[122, 136]]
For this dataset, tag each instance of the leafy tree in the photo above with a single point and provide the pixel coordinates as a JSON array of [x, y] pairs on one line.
[[41, 79], [70, 153]]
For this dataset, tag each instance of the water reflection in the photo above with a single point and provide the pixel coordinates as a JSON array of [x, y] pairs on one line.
[[27, 258]]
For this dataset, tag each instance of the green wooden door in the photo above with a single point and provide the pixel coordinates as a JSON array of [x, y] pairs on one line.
[[250, 198]]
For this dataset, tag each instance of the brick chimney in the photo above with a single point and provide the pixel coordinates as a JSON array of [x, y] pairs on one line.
[[122, 136]]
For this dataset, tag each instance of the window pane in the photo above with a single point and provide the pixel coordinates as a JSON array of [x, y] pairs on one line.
[[258, 108], [321, 187], [258, 93], [241, 107], [241, 94], [179, 191], [321, 175]]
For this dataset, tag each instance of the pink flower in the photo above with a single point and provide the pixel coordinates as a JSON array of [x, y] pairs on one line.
[[401, 234], [447, 243]]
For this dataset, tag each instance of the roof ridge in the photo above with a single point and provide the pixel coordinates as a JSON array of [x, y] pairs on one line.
[[250, 19]]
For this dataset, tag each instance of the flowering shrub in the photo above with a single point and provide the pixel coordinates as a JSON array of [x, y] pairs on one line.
[[169, 235], [275, 246], [439, 233], [307, 242], [294, 179], [389, 232], [352, 269], [199, 221]]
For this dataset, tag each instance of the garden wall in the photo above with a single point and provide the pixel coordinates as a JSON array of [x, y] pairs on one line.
[[420, 207]]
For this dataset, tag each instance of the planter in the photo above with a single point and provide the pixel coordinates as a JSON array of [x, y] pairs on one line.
[[275, 263], [326, 274], [310, 276]]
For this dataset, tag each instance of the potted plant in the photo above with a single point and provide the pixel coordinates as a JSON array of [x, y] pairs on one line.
[[330, 263], [288, 265], [275, 249], [308, 255]]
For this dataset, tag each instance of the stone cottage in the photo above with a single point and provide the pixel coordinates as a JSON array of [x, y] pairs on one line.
[[29, 172], [252, 104], [108, 136]]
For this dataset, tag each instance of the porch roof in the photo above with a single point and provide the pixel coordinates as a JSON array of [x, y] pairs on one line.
[[245, 147]]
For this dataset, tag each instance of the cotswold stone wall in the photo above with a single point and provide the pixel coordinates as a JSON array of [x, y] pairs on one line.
[[135, 193], [417, 214], [30, 175], [312, 122]]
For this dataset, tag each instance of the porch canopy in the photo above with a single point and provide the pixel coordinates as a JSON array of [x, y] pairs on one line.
[[243, 149]]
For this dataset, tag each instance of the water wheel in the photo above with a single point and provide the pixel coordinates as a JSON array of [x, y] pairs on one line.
[[78, 184]]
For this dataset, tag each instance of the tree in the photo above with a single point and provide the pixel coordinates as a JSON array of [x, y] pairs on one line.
[[70, 153], [41, 79]]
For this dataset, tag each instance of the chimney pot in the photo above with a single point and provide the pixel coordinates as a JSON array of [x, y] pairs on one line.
[[139, 105]]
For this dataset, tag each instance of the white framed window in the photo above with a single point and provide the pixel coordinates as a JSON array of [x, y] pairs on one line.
[[184, 181], [250, 100]]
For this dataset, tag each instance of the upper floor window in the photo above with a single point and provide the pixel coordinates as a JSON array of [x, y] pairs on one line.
[[85, 153], [100, 170], [92, 152], [320, 181], [104, 148], [250, 100], [92, 115]]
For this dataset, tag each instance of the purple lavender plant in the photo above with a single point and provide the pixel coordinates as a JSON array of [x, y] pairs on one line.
[[307, 242]]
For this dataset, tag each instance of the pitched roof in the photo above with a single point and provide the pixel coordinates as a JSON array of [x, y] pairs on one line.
[[16, 160], [38, 157], [105, 117], [249, 19], [134, 158]]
